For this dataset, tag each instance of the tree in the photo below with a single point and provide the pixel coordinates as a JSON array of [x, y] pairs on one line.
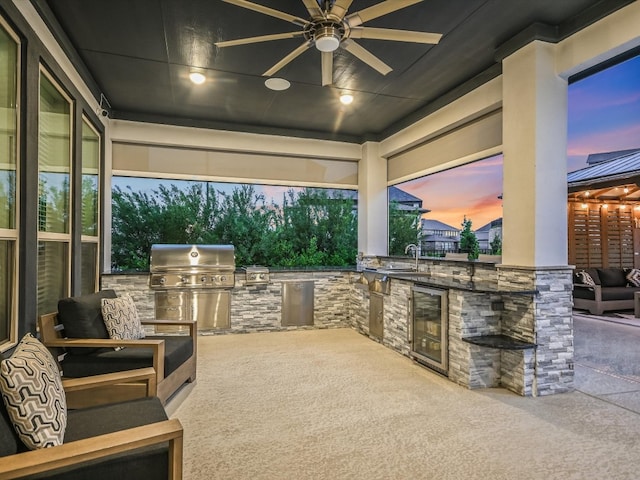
[[315, 228], [246, 222], [166, 215], [496, 245], [312, 228], [468, 240], [402, 228]]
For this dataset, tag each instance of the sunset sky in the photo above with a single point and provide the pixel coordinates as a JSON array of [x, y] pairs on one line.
[[604, 116]]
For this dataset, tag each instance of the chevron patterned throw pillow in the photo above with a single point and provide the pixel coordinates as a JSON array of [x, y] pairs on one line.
[[32, 392], [121, 318], [586, 278], [633, 277]]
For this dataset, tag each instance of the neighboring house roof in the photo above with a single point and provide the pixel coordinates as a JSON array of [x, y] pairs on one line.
[[604, 156], [617, 168], [492, 224], [428, 224], [400, 196], [405, 200]]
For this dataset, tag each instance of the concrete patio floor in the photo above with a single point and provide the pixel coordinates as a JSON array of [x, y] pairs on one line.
[[607, 358]]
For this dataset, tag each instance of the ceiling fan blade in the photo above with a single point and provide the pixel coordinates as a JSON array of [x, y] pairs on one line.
[[378, 10], [340, 8], [366, 56], [314, 9], [287, 59], [395, 35], [262, 38], [268, 11], [327, 68]]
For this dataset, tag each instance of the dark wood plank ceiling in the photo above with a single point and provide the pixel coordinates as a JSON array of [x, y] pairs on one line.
[[138, 53]]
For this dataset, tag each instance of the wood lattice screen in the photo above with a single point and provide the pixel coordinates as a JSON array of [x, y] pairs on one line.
[[601, 237]]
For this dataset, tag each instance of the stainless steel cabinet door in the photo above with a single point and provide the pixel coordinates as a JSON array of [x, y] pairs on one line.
[[376, 315], [297, 303], [211, 309]]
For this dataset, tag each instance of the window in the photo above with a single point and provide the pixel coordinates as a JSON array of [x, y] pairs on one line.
[[472, 191], [268, 225], [9, 94], [90, 207], [54, 194]]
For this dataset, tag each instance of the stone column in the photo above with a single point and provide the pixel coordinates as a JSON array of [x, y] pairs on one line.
[[535, 238]]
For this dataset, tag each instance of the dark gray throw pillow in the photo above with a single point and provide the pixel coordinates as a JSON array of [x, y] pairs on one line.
[[612, 277], [82, 318]]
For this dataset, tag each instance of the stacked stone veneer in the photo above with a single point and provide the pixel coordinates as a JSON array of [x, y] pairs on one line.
[[470, 314], [546, 321], [544, 318], [359, 306], [256, 308], [259, 308], [136, 285]]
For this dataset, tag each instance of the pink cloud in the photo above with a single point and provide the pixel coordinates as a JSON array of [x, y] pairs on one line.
[[605, 141]]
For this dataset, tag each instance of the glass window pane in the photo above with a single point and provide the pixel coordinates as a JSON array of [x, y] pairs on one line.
[[8, 128], [54, 159], [89, 253], [7, 249], [53, 261], [90, 185]]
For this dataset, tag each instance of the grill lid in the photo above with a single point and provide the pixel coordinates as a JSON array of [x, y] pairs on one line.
[[176, 257]]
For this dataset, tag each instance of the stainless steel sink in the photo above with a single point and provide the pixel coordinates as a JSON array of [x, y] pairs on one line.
[[378, 280]]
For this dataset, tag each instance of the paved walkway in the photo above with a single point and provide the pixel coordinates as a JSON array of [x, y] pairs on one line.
[[607, 359]]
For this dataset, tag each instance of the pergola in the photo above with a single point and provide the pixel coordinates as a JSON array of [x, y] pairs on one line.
[[604, 213]]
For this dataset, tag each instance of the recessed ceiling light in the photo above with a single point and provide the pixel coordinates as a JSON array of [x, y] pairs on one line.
[[275, 83], [346, 98], [197, 77]]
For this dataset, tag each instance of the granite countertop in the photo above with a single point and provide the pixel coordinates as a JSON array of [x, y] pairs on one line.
[[426, 279]]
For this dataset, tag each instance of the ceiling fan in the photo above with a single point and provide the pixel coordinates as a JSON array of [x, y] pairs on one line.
[[330, 28]]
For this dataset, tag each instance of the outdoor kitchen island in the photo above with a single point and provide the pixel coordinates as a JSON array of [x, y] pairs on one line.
[[532, 306]]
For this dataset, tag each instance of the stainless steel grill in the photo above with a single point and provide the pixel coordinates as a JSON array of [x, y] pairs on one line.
[[193, 282], [192, 266]]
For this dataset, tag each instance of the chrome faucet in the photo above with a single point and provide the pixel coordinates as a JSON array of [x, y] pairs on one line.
[[412, 247]]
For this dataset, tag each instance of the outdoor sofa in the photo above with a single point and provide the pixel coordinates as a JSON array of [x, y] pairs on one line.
[[605, 289]]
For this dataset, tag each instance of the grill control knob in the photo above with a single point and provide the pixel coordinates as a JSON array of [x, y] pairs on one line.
[[162, 280], [184, 279], [223, 278], [203, 278]]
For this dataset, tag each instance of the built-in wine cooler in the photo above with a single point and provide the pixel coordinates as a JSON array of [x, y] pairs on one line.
[[428, 334]]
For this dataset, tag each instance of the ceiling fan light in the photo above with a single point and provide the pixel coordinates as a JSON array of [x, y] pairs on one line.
[[197, 77], [327, 39], [346, 98]]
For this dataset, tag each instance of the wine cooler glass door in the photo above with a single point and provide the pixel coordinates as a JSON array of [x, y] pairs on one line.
[[429, 327]]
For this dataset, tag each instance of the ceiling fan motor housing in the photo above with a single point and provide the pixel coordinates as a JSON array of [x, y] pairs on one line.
[[326, 35]]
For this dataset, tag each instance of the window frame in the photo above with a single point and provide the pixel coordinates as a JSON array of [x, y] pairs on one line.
[[67, 237], [92, 239], [13, 234]]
